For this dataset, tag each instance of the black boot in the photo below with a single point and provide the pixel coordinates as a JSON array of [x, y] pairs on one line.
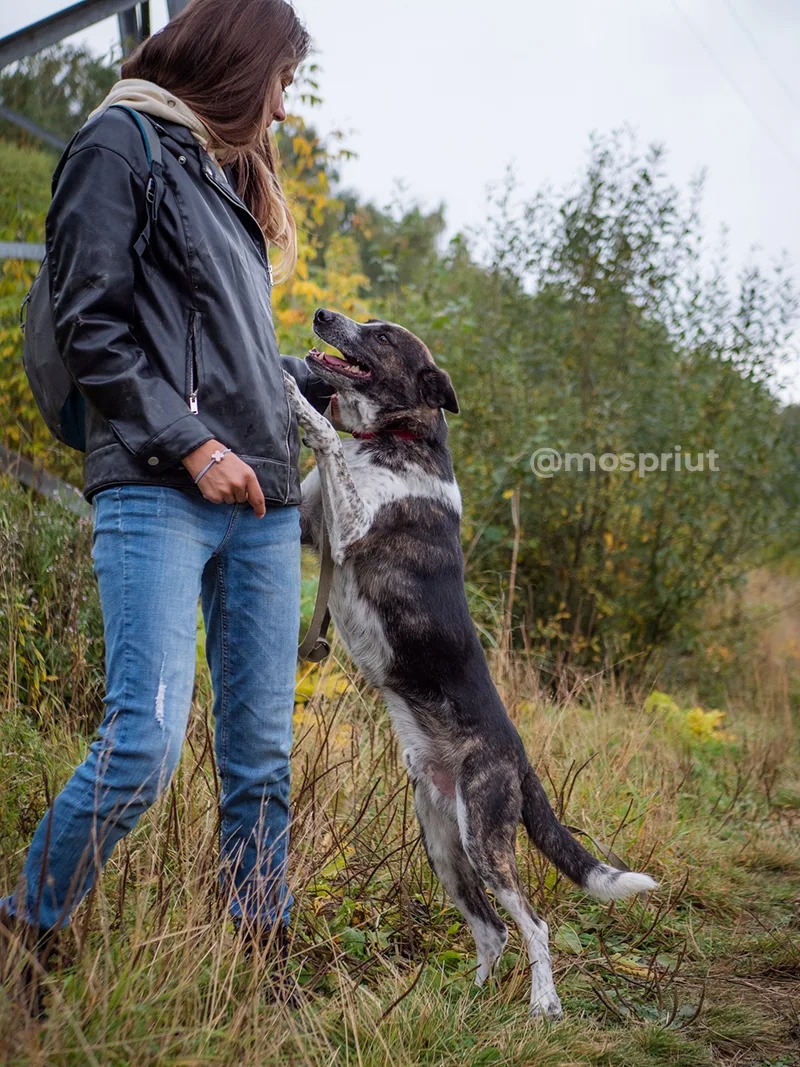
[[26, 955], [270, 944]]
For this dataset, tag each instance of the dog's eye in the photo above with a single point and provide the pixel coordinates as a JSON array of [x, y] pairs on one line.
[[383, 339]]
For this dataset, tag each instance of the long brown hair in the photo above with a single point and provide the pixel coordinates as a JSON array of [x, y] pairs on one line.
[[222, 58]]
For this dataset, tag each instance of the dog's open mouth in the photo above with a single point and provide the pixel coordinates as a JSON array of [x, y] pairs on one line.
[[342, 364]]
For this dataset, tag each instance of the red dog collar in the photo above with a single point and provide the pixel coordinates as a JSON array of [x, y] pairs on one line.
[[407, 435]]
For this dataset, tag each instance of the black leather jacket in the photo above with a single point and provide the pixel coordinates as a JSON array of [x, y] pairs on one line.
[[175, 346]]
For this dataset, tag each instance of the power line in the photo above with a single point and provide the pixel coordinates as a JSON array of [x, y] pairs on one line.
[[762, 55], [759, 120]]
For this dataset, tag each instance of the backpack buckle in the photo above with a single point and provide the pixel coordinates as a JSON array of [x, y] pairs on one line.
[[23, 305]]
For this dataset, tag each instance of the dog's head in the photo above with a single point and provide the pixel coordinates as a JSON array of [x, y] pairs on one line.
[[384, 377]]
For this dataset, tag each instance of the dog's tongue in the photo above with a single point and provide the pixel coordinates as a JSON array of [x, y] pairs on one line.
[[327, 357]]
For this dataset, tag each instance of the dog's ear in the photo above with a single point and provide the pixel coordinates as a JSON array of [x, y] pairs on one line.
[[437, 390]]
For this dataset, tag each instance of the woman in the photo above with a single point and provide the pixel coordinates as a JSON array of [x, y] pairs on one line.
[[191, 448]]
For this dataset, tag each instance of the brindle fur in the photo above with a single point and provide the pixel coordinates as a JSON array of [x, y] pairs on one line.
[[392, 509]]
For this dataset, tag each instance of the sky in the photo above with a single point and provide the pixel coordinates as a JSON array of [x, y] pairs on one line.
[[441, 96]]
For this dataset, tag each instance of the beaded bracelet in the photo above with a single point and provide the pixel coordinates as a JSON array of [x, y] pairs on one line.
[[216, 457]]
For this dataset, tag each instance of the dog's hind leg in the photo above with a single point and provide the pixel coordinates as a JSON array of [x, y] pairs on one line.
[[488, 812], [449, 862]]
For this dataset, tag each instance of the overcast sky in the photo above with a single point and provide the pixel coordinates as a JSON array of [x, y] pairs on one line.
[[442, 95]]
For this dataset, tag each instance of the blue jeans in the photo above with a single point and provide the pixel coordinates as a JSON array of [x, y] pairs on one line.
[[156, 550]]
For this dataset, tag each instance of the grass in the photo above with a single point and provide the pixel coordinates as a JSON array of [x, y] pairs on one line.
[[704, 972]]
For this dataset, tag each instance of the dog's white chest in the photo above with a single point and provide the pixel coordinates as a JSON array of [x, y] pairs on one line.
[[378, 486]]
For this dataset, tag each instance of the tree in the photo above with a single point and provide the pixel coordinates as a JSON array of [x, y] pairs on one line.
[[56, 89], [588, 323], [597, 329]]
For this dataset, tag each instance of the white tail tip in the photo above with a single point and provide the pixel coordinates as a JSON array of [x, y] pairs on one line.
[[605, 883]]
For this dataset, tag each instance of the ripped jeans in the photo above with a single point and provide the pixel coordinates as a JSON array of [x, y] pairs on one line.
[[156, 550]]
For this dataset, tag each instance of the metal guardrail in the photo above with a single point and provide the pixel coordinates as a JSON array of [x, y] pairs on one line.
[[29, 126], [80, 16], [47, 484], [21, 250], [56, 27], [134, 23]]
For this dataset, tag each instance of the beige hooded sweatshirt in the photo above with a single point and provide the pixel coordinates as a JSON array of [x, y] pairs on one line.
[[145, 96]]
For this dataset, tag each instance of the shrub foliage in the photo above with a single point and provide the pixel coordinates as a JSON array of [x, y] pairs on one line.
[[590, 322]]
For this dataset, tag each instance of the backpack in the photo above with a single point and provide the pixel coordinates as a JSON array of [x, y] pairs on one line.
[[57, 397]]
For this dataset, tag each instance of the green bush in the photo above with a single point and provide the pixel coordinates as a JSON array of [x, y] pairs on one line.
[[51, 632], [595, 328], [24, 198], [586, 323]]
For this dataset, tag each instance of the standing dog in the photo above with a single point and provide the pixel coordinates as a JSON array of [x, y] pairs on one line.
[[392, 510]]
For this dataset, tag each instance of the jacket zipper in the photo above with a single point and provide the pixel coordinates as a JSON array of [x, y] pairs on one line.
[[194, 377], [238, 203]]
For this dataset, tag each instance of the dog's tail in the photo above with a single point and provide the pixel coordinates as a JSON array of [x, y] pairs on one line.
[[551, 837]]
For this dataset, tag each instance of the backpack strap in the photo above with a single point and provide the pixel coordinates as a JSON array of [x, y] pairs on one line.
[[155, 167]]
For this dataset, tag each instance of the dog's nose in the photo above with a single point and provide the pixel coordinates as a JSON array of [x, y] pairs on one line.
[[323, 315]]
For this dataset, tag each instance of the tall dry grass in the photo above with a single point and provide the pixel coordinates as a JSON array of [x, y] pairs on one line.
[[380, 963], [380, 969]]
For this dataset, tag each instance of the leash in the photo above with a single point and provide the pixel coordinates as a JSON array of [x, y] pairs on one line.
[[315, 646]]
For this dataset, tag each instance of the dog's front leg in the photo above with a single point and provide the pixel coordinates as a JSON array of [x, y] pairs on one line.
[[346, 516]]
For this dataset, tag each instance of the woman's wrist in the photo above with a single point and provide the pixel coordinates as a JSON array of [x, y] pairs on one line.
[[195, 461], [216, 457]]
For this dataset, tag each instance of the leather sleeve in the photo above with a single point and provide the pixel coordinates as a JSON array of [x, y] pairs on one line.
[[97, 214], [317, 392]]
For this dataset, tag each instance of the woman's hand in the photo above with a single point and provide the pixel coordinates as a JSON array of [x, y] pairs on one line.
[[231, 481]]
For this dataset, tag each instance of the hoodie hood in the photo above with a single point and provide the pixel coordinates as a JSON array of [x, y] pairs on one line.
[[151, 99]]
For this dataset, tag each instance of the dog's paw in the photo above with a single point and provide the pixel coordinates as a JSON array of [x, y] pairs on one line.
[[318, 433], [547, 1006], [297, 401]]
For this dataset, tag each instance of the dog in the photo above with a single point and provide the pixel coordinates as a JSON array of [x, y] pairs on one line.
[[390, 502]]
